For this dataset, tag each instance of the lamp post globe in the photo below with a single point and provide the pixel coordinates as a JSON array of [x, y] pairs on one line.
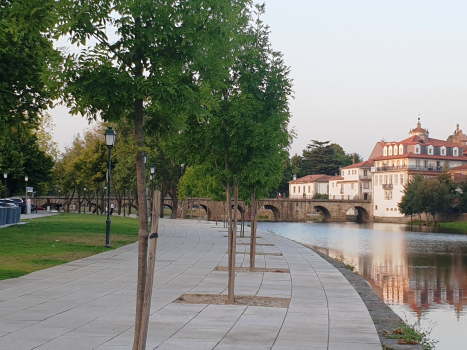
[[110, 136]]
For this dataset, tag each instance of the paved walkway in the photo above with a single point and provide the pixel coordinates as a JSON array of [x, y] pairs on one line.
[[90, 303]]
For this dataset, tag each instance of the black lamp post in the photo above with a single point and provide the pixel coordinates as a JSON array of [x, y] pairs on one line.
[[5, 175], [26, 178], [85, 200], [110, 141], [152, 171]]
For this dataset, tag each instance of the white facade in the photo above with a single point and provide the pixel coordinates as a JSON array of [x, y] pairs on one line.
[[354, 183], [398, 162], [309, 186]]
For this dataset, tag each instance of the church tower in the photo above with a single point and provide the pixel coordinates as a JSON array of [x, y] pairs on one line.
[[420, 132]]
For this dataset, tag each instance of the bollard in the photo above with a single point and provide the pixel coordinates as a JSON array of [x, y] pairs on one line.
[[9, 215], [18, 214]]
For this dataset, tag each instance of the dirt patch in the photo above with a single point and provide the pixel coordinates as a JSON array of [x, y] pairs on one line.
[[218, 299], [256, 269], [274, 254], [258, 244]]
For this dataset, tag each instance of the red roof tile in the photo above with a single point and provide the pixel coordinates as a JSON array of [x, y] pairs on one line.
[[365, 164], [425, 156], [311, 178], [458, 168]]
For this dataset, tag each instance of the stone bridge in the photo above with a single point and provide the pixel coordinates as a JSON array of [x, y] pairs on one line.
[[283, 209]]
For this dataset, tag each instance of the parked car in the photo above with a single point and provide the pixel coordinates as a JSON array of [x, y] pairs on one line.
[[33, 207], [20, 203], [7, 203]]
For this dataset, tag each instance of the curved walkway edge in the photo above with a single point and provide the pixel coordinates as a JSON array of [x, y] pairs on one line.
[[90, 303]]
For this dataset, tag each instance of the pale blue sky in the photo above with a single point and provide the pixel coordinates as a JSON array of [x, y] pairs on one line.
[[361, 68]]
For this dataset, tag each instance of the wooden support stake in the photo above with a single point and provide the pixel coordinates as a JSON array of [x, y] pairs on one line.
[[151, 267]]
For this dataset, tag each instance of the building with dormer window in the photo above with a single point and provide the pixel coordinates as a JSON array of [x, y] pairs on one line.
[[395, 163]]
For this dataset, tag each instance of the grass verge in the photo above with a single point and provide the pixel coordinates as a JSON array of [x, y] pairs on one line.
[[54, 240], [412, 334]]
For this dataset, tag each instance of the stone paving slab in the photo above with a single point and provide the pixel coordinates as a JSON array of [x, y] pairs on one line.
[[90, 303]]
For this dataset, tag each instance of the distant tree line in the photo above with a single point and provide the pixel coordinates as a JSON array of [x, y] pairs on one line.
[[319, 157], [433, 197]]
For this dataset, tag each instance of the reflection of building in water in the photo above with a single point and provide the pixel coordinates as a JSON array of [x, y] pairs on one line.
[[418, 281]]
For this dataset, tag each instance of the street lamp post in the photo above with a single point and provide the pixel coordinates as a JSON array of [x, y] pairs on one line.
[[5, 175], [26, 197], [110, 141], [152, 171]]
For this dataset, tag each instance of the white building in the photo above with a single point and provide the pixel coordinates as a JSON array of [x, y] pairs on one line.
[[395, 163], [354, 182], [308, 186]]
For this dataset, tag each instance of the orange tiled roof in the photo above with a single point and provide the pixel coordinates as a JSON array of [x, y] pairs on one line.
[[365, 164], [311, 178], [424, 156]]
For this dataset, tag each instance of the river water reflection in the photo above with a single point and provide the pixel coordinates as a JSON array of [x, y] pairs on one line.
[[421, 275]]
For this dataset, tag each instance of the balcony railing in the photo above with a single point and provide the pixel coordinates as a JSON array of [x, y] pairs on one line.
[[387, 186], [409, 167], [363, 177]]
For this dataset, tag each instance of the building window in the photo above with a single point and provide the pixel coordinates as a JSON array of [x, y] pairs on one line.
[[342, 173], [455, 152], [376, 207], [430, 150], [308, 189], [385, 179], [385, 151], [387, 195], [396, 178], [401, 149], [381, 179], [348, 172], [294, 189], [376, 180], [402, 179], [390, 179], [298, 189], [417, 163], [333, 184], [387, 209], [417, 149], [351, 185], [366, 185], [390, 150], [426, 164], [395, 150], [365, 172], [443, 151]]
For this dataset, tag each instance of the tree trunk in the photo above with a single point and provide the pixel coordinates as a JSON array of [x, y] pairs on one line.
[[142, 203], [253, 230], [161, 215], [175, 202], [232, 249], [427, 219]]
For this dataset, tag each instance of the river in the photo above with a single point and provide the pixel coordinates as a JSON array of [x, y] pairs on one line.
[[422, 276]]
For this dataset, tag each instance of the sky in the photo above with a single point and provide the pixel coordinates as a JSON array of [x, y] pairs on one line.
[[362, 70]]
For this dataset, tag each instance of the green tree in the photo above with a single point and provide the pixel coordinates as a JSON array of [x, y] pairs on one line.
[[25, 55], [407, 204], [241, 141], [162, 60]]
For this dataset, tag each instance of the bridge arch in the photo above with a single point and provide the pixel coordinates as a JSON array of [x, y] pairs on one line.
[[363, 215], [325, 212], [275, 211]]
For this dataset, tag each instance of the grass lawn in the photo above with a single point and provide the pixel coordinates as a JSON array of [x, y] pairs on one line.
[[460, 226], [54, 240]]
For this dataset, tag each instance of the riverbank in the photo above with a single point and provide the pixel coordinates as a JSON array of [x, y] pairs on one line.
[[453, 227]]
